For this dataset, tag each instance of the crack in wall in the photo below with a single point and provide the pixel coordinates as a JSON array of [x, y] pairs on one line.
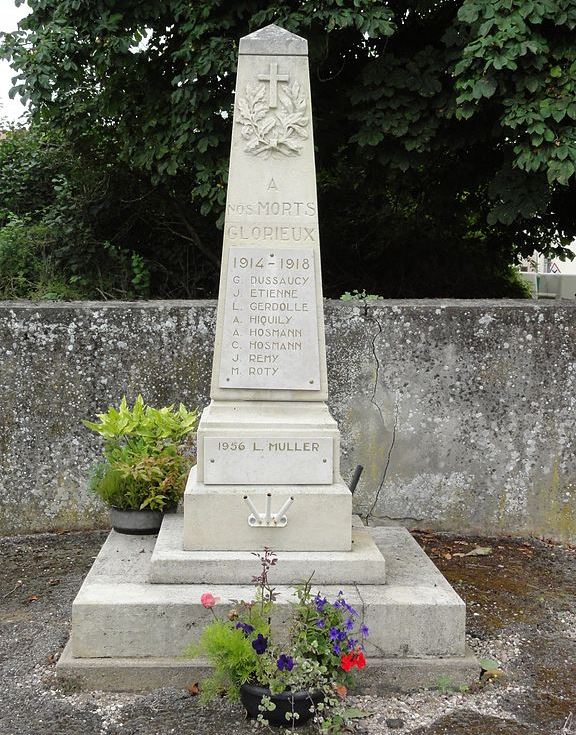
[[375, 403]]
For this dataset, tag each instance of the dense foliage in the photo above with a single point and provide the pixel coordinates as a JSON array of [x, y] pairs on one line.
[[445, 132], [145, 464]]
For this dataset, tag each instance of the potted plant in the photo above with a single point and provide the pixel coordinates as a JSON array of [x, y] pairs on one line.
[[295, 672], [145, 465]]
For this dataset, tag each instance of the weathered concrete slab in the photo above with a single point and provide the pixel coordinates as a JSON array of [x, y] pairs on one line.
[[118, 614], [171, 564], [380, 676]]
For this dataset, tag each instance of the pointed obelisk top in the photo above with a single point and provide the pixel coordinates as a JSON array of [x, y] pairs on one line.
[[273, 41]]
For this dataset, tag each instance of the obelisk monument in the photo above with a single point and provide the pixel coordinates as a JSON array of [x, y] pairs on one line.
[[268, 450]]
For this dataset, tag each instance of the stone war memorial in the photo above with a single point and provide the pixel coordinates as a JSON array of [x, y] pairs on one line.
[[268, 450]]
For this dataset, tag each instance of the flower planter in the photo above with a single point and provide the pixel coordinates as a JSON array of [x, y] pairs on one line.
[[136, 522], [292, 702]]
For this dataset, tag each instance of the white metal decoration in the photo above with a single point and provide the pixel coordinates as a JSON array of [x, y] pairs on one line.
[[268, 519]]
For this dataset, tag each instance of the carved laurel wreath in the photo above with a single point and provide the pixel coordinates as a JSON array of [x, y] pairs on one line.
[[268, 131]]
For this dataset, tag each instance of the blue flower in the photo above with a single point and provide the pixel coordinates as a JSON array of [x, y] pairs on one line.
[[260, 644], [341, 604], [336, 649], [285, 663], [320, 623], [336, 634], [246, 628], [364, 630], [320, 602], [350, 609], [349, 625]]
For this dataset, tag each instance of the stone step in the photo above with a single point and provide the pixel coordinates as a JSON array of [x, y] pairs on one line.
[[171, 564], [381, 675], [119, 614]]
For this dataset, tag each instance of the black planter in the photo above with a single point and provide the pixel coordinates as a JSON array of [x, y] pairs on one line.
[[299, 702], [136, 522]]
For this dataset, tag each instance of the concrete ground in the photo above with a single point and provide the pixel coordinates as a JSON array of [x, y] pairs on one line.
[[521, 599]]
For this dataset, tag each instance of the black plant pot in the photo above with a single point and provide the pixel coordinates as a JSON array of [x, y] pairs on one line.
[[136, 522], [292, 702]]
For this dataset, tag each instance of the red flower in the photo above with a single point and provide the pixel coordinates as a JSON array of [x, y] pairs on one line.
[[356, 658], [347, 661], [208, 600]]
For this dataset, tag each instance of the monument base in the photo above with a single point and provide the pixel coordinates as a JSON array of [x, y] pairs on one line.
[[170, 564], [128, 633], [381, 675], [223, 517]]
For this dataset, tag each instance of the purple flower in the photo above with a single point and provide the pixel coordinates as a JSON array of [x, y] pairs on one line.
[[285, 663], [320, 623], [336, 649], [260, 644], [246, 628], [341, 604], [348, 607], [364, 630], [334, 634], [352, 643], [349, 625], [320, 602]]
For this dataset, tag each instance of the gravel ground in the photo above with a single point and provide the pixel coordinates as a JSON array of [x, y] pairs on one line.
[[521, 598]]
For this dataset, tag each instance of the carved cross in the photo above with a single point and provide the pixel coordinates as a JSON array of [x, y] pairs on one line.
[[273, 77]]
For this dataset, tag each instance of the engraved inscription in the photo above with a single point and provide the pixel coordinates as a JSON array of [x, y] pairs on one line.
[[284, 233], [271, 209], [263, 460], [270, 330]]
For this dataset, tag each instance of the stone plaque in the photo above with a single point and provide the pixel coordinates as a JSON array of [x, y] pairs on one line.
[[266, 460], [270, 329]]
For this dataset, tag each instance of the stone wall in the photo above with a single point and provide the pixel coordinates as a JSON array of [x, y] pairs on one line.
[[462, 412]]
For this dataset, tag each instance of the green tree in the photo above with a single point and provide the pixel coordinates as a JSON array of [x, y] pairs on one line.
[[445, 130]]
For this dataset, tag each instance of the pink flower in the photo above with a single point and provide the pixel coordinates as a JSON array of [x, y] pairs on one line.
[[208, 600]]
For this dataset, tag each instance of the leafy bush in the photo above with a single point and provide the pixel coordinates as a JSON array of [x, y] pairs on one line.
[[28, 266], [232, 655], [62, 213], [145, 465]]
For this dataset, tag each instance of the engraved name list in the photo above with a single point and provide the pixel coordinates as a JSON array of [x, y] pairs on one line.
[[270, 330]]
